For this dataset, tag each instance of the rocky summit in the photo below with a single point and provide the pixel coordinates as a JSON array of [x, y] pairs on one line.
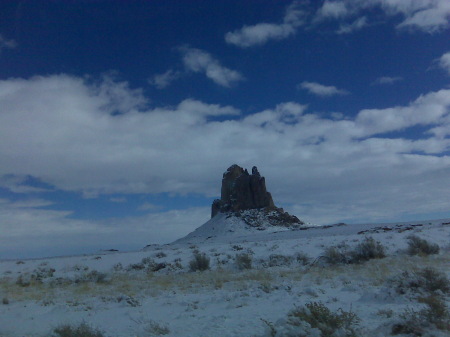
[[245, 195]]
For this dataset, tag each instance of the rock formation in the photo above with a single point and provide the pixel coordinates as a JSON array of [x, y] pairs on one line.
[[245, 195]]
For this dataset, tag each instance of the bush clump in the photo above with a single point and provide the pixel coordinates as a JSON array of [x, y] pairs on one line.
[[418, 246], [279, 260], [416, 323], [200, 262], [243, 261], [315, 319], [428, 280], [82, 330], [303, 259], [337, 254], [367, 250], [317, 315]]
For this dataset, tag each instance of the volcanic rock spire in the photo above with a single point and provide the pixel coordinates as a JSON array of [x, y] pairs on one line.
[[242, 191], [245, 195]]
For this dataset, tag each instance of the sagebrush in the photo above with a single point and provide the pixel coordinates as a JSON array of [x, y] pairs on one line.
[[418, 246], [81, 330], [200, 262]]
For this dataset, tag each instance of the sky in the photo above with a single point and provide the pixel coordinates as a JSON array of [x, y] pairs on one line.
[[118, 118]]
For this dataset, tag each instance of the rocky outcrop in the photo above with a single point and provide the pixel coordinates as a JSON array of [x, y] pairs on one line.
[[242, 191], [243, 194]]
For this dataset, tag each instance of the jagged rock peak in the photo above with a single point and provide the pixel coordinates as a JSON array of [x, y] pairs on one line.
[[242, 191], [245, 196]]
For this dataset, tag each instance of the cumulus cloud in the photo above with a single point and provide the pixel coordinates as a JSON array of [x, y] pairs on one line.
[[387, 80], [333, 9], [261, 33], [426, 110], [444, 62], [199, 61], [322, 90], [162, 81], [63, 131], [6, 43], [425, 15]]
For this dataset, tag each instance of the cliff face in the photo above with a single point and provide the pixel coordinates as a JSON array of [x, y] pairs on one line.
[[242, 191]]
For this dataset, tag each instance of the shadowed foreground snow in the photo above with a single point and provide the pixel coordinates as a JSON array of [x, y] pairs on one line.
[[153, 292]]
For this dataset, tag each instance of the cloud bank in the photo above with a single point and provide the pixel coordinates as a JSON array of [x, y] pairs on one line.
[[67, 133]]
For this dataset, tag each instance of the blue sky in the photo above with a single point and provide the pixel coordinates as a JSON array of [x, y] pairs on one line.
[[118, 118]]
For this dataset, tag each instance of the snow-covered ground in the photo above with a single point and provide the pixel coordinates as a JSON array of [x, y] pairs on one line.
[[153, 292]]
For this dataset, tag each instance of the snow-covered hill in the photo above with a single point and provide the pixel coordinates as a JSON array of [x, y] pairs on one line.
[[256, 277]]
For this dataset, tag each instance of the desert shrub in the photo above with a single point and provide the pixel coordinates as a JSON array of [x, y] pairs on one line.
[[147, 261], [42, 273], [315, 320], [337, 254], [131, 301], [277, 260], [136, 266], [303, 259], [82, 330], [160, 255], [243, 261], [200, 262], [367, 250], [329, 323], [23, 280], [425, 280], [364, 251], [156, 329], [93, 276], [118, 267], [435, 316], [418, 246]]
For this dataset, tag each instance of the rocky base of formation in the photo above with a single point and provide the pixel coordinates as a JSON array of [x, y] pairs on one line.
[[261, 219]]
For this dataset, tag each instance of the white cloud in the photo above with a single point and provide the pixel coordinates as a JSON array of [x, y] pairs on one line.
[[444, 62], [199, 61], [354, 26], [161, 81], [333, 9], [426, 110], [63, 131], [387, 80], [322, 90], [7, 44], [425, 15], [261, 33], [430, 16]]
